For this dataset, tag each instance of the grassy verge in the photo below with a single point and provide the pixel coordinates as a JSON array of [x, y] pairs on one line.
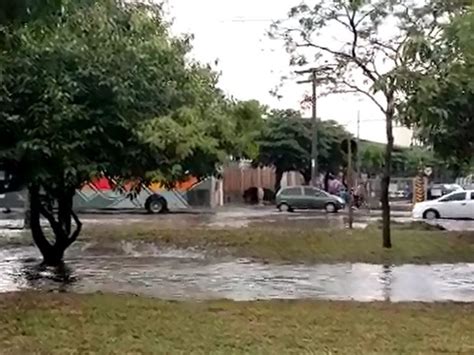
[[302, 245], [105, 324]]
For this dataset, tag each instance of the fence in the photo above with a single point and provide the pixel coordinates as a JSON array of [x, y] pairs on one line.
[[400, 191], [238, 180]]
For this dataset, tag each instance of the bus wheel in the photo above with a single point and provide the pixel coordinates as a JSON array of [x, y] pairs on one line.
[[155, 204]]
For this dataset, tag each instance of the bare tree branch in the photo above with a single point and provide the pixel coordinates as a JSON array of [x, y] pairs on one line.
[[345, 24], [355, 40], [383, 46], [358, 89], [351, 57], [367, 14]]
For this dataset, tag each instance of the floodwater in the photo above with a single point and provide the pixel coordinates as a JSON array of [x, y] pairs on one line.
[[11, 224], [183, 275]]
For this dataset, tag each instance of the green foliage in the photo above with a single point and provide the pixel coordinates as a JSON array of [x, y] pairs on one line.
[[103, 88], [441, 100], [285, 144], [248, 117], [100, 88], [14, 12], [407, 162], [368, 57], [371, 158], [367, 42]]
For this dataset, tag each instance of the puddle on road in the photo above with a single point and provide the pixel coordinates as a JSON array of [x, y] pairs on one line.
[[174, 274]]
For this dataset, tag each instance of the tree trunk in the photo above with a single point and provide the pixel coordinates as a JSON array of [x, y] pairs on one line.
[[386, 232], [307, 177], [27, 217], [65, 211], [278, 177], [53, 253], [326, 181]]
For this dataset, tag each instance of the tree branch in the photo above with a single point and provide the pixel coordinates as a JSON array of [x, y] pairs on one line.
[[383, 46], [355, 40], [35, 213], [346, 25], [357, 89], [367, 14], [55, 225], [77, 231], [323, 48]]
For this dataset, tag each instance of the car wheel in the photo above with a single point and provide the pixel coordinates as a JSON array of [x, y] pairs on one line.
[[431, 214], [283, 207], [155, 204], [330, 208]]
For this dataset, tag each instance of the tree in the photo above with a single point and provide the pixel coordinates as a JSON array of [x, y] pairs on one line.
[[285, 144], [406, 161], [248, 116], [367, 57], [100, 88], [440, 102], [371, 158]]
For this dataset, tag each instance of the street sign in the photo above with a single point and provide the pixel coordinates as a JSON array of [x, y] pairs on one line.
[[428, 171]]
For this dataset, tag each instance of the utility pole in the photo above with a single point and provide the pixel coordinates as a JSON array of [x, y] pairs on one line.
[[314, 120], [358, 145], [349, 181], [314, 133]]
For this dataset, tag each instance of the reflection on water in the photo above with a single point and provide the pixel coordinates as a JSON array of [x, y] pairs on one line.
[[175, 274]]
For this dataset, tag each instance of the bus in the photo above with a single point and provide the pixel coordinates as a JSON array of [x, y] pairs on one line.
[[101, 194]]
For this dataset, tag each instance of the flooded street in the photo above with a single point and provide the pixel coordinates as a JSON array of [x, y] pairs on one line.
[[236, 217], [172, 274], [262, 217]]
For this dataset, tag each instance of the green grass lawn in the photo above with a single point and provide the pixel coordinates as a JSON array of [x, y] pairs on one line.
[[302, 245], [105, 324]]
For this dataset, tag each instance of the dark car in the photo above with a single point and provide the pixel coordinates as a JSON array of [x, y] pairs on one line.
[[306, 197]]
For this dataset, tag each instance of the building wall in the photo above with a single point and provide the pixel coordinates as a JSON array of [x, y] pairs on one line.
[[403, 136]]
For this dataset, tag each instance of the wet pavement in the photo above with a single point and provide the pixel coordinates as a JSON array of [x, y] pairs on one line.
[[227, 218], [182, 275], [238, 218]]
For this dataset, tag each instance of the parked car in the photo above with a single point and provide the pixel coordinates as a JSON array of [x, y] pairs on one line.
[[456, 205], [306, 197], [438, 190]]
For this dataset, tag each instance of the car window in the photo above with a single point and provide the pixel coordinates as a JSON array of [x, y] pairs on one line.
[[293, 191], [460, 196], [472, 195], [320, 193], [311, 191]]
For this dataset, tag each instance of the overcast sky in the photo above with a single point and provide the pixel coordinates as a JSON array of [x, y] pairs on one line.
[[234, 33]]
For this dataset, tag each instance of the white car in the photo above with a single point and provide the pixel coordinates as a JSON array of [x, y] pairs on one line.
[[457, 204]]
